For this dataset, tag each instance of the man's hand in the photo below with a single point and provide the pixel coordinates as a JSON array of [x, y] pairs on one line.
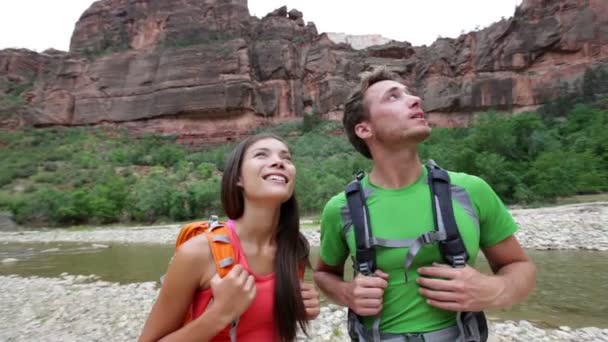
[[310, 296], [366, 293], [459, 289]]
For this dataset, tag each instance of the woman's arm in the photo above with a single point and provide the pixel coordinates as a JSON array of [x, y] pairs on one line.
[[192, 267]]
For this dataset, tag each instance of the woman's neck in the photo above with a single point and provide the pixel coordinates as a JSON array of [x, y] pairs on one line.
[[258, 225]]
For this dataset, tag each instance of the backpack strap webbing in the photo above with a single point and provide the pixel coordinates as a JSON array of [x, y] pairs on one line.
[[473, 326], [452, 248], [218, 236], [222, 251], [365, 255]]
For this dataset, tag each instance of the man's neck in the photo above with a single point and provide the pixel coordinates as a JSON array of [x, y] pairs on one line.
[[395, 169]]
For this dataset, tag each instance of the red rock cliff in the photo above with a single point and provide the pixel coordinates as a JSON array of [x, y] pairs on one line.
[[207, 69]]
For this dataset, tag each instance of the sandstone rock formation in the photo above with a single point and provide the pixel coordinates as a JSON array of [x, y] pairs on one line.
[[206, 69]]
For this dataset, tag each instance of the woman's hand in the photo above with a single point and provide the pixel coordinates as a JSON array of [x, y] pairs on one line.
[[234, 293], [310, 296]]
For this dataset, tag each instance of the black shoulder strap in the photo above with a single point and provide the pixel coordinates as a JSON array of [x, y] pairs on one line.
[[452, 248], [365, 257]]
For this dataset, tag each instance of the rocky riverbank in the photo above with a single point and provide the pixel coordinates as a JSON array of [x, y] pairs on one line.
[[580, 226], [82, 308]]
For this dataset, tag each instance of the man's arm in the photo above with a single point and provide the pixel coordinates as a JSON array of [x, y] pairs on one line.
[[330, 280], [514, 268], [363, 294], [466, 289]]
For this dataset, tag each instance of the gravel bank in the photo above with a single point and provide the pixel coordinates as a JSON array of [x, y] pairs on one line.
[[81, 308]]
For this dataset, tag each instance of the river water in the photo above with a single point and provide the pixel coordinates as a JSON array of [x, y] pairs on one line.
[[572, 285]]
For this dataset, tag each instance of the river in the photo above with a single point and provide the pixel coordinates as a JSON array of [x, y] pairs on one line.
[[572, 285]]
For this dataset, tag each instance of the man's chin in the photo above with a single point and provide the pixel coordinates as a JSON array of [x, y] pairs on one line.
[[421, 135]]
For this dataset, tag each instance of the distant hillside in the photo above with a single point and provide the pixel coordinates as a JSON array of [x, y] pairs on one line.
[[65, 176]]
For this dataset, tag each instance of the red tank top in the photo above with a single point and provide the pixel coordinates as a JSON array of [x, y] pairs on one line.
[[257, 323]]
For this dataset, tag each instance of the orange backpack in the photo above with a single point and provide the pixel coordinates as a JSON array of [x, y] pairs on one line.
[[219, 242], [221, 247]]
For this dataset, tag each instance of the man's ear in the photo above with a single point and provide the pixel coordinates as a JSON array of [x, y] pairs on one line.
[[363, 130]]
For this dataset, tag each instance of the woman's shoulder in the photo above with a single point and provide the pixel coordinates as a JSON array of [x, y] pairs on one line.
[[196, 247], [195, 255]]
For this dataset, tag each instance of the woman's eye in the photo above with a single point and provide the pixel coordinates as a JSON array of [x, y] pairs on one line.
[[259, 154]]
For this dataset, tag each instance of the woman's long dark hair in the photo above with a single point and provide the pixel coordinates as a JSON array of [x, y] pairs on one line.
[[292, 247]]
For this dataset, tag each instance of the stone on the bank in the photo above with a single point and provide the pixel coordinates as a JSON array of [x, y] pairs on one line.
[[9, 261], [6, 222]]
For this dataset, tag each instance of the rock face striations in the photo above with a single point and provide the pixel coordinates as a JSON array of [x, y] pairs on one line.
[[207, 69]]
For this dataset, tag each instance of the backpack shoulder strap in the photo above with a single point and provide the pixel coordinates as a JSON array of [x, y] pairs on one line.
[[222, 251], [473, 326], [365, 257], [221, 247], [452, 247], [365, 254]]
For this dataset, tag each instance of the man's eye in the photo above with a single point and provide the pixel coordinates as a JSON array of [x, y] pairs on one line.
[[392, 97]]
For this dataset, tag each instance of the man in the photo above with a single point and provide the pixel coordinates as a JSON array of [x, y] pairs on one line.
[[385, 123]]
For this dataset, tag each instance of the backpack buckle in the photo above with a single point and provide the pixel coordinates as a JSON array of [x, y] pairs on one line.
[[365, 268], [432, 237], [359, 175], [213, 222], [416, 337], [427, 238], [459, 261]]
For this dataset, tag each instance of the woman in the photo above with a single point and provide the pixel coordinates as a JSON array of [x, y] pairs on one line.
[[263, 291]]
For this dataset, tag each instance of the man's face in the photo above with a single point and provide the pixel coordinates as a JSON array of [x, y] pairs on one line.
[[395, 115]]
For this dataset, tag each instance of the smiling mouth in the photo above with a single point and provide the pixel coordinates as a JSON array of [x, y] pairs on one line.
[[276, 178], [418, 116]]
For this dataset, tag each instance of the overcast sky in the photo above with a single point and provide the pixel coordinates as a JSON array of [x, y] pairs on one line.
[[41, 24]]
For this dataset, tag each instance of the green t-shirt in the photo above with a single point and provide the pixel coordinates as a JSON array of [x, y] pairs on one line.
[[406, 213]]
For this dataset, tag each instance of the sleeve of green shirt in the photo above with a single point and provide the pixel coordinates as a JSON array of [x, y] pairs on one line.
[[333, 250], [495, 221]]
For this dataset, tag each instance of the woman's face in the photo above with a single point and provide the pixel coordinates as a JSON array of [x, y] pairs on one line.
[[267, 171]]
